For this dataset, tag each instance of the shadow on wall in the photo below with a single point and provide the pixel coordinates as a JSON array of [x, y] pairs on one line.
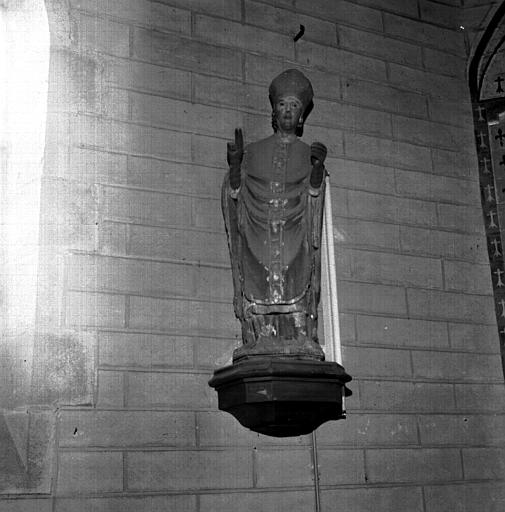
[[26, 451]]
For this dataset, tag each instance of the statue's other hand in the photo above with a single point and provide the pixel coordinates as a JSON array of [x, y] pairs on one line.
[[235, 150], [318, 153]]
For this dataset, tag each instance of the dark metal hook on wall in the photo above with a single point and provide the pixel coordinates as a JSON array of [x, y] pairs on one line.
[[300, 33]]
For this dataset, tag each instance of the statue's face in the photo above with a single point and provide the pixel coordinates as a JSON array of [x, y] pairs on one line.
[[288, 111]]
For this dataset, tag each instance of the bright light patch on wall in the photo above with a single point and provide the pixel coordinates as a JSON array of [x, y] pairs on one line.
[[24, 65]]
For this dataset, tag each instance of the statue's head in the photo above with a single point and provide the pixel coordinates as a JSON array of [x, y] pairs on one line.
[[291, 96]]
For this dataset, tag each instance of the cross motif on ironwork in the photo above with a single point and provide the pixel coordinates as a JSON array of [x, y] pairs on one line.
[[496, 243], [479, 110], [485, 161], [491, 215], [499, 273], [489, 197], [482, 137], [500, 136], [502, 161], [499, 80]]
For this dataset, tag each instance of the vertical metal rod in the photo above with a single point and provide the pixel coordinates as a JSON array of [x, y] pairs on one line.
[[317, 490], [333, 347]]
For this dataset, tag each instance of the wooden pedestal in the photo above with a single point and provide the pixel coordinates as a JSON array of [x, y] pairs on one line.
[[281, 397]]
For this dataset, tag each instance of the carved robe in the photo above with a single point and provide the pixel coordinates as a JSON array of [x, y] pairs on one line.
[[274, 223]]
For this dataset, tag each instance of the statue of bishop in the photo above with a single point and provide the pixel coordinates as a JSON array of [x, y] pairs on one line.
[[272, 200]]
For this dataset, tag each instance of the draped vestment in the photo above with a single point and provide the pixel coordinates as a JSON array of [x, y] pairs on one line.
[[273, 221]]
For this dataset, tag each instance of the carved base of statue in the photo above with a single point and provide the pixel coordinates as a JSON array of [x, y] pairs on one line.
[[281, 397], [280, 347], [279, 335]]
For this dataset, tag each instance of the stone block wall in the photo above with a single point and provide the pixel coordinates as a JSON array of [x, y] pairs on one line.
[[143, 97]]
